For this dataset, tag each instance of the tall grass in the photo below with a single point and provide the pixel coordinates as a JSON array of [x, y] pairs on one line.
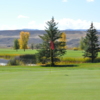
[[70, 60], [8, 56]]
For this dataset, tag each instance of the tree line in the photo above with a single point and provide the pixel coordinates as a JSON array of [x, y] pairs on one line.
[[54, 43]]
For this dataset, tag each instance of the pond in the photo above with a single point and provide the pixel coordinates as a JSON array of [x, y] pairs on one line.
[[3, 62]]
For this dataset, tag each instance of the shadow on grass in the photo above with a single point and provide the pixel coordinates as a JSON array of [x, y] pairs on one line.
[[60, 65]]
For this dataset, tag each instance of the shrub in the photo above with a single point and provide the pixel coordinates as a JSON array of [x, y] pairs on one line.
[[13, 62], [28, 58], [75, 48], [23, 59]]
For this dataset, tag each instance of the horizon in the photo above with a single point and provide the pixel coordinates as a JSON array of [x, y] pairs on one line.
[[44, 30], [32, 14]]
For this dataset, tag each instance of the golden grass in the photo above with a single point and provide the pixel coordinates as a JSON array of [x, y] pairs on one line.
[[8, 56]]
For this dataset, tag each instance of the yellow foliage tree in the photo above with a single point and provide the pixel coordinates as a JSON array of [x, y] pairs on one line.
[[24, 37], [63, 39]]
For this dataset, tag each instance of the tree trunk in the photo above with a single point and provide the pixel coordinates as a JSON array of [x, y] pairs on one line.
[[52, 60], [92, 59]]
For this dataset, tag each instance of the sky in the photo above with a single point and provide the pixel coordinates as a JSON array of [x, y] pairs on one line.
[[33, 14]]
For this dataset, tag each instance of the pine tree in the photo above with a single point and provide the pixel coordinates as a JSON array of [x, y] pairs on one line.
[[91, 43], [51, 46]]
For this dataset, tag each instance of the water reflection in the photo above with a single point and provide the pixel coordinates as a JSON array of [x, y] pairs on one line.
[[3, 62]]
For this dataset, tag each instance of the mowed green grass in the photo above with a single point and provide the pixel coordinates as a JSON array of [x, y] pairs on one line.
[[76, 54], [73, 82], [20, 51], [79, 82], [69, 53]]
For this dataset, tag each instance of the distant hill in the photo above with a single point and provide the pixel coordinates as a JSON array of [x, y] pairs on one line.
[[7, 36]]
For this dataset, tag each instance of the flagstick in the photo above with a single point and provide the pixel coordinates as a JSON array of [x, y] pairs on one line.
[[51, 51], [50, 60]]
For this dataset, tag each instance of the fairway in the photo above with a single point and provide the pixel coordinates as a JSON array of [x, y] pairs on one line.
[[79, 82], [20, 51], [69, 53], [76, 54]]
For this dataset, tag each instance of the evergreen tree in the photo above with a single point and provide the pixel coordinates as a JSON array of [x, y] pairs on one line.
[[91, 43], [51, 46], [16, 44]]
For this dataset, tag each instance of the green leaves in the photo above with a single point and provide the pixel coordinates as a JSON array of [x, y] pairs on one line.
[[16, 44]]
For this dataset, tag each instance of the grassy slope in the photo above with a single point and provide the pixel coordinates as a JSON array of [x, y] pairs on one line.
[[81, 82]]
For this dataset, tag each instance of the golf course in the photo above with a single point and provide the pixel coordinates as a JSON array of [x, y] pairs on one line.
[[68, 82]]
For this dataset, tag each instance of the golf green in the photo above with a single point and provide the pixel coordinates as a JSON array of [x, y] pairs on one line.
[[50, 83]]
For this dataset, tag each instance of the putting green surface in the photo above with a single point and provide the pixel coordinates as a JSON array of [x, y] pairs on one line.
[[50, 83]]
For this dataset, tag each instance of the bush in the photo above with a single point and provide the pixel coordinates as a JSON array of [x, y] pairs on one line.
[[23, 59], [75, 48], [13, 62], [27, 59]]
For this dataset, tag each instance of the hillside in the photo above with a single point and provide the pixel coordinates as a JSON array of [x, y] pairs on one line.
[[7, 37]]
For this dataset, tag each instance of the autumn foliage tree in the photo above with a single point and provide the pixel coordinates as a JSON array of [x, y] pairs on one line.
[[63, 40], [24, 37]]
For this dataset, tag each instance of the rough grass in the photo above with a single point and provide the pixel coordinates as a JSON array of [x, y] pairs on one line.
[[77, 82]]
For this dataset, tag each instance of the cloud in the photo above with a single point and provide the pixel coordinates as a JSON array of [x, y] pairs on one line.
[[63, 24], [90, 0], [64, 0], [67, 23], [7, 27], [21, 16], [34, 25]]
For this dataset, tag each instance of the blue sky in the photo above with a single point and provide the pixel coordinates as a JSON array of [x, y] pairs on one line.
[[33, 14]]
